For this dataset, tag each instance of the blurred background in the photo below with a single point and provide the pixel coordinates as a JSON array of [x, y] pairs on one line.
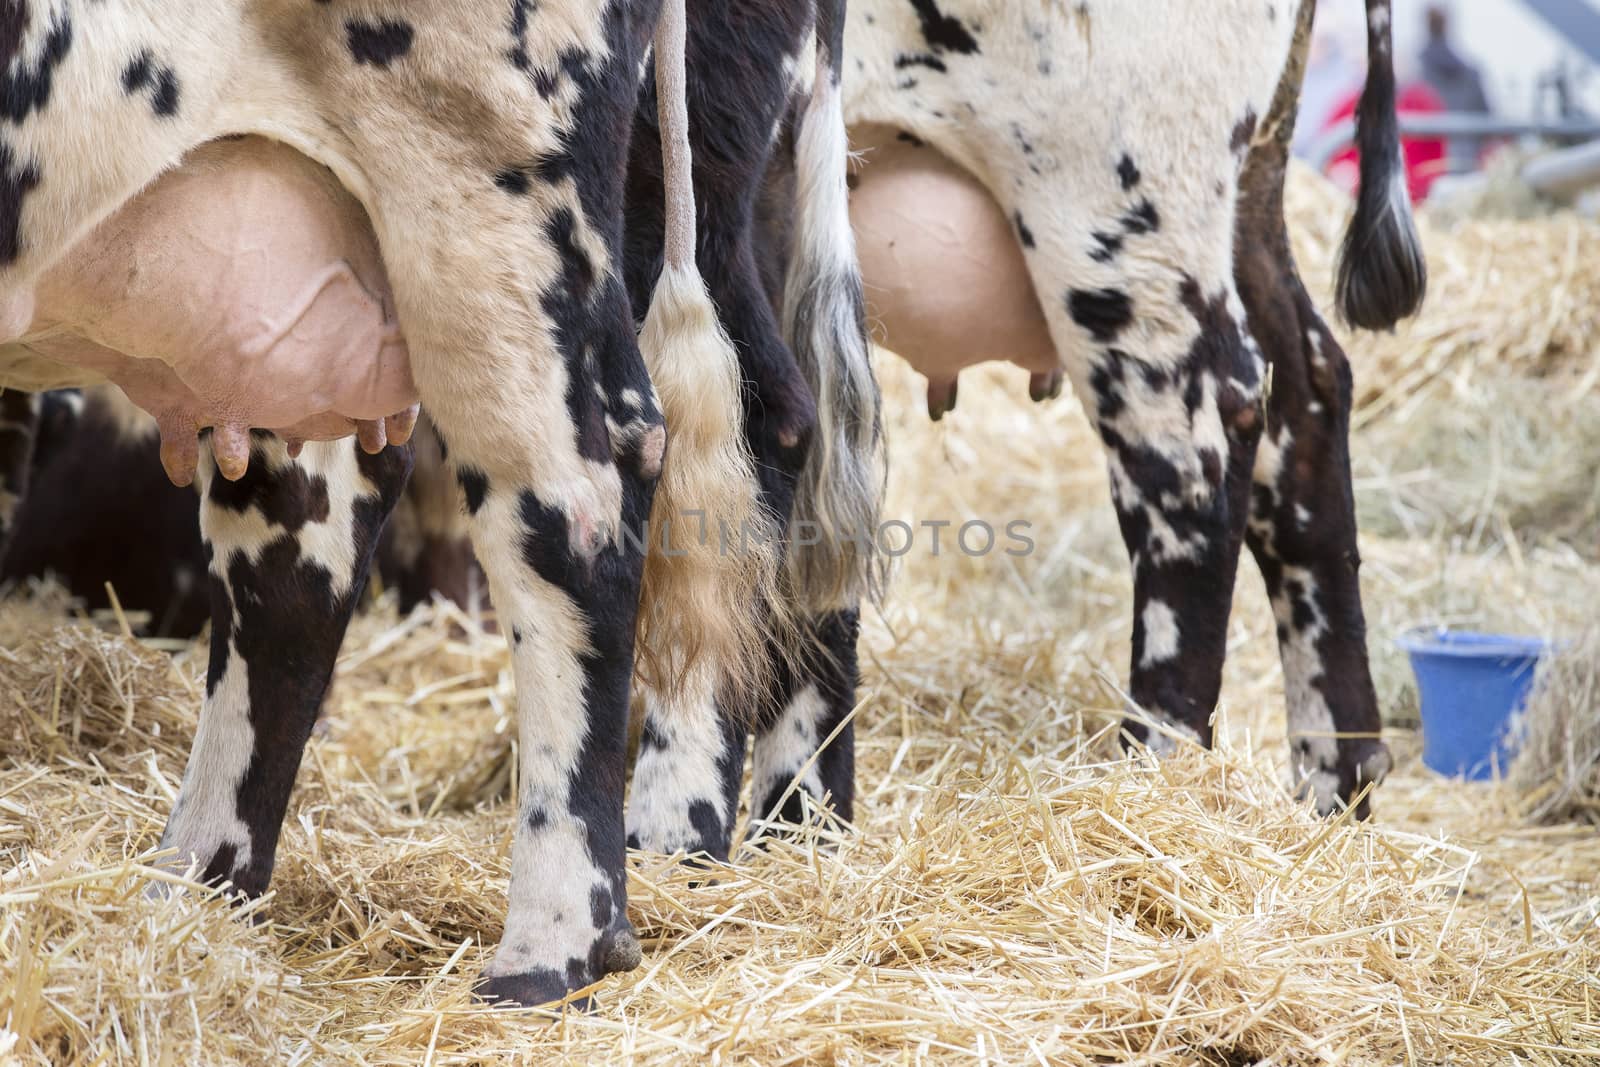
[[1509, 75]]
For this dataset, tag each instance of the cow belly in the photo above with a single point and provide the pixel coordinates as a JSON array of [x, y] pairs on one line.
[[946, 282], [244, 288]]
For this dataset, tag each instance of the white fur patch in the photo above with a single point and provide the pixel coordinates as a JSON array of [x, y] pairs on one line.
[[787, 747], [1309, 715], [1160, 634], [670, 780], [205, 818]]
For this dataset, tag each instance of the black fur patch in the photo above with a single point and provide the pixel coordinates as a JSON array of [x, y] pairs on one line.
[[919, 59], [378, 43], [1142, 219], [14, 18], [474, 486], [1243, 131], [1127, 172], [1024, 234], [1107, 245], [144, 73], [25, 89], [16, 182], [513, 180], [944, 33], [1105, 313]]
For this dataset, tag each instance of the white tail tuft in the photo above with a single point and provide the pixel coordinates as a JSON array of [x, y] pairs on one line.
[[712, 562], [841, 484]]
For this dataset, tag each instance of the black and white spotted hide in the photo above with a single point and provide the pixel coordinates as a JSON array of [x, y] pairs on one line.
[[95, 475], [747, 91], [1152, 228], [288, 546], [487, 141]]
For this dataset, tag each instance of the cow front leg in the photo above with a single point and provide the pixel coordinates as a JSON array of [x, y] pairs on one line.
[[1181, 435], [565, 580], [288, 547]]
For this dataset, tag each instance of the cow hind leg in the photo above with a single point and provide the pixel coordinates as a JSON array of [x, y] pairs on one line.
[[1302, 528], [691, 755], [805, 738], [288, 546], [1180, 434]]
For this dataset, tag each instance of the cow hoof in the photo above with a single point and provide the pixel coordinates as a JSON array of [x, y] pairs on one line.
[[618, 951], [622, 951], [531, 989], [1333, 789]]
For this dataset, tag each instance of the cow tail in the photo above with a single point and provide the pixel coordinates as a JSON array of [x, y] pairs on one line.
[[832, 560], [705, 576], [1382, 276]]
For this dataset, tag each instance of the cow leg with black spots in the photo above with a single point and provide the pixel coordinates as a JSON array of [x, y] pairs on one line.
[[533, 377], [1302, 528], [289, 545], [1181, 438], [805, 741], [691, 755]]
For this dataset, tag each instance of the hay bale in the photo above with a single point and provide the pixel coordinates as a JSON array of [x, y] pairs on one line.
[[1557, 770]]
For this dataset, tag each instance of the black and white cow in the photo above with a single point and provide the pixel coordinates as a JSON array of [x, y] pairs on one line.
[[95, 475], [1136, 153], [489, 144]]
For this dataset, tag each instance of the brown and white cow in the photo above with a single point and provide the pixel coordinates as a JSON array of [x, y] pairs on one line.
[[487, 145], [1119, 168]]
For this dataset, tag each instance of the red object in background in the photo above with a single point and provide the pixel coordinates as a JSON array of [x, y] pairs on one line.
[[1424, 155]]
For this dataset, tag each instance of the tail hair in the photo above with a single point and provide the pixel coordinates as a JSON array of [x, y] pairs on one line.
[[702, 596], [840, 487], [1382, 276]]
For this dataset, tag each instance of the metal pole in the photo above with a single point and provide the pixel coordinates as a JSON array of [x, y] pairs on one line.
[[1337, 139]]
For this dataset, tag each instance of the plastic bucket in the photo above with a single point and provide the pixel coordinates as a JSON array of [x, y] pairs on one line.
[[1471, 686]]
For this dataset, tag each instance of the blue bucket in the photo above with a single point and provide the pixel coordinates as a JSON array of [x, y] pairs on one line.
[[1471, 686]]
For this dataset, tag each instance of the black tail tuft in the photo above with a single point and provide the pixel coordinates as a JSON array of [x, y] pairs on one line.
[[1382, 276]]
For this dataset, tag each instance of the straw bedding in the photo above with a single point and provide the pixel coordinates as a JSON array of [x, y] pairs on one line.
[[1013, 892]]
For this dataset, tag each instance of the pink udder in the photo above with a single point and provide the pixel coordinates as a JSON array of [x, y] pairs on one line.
[[243, 290], [946, 281]]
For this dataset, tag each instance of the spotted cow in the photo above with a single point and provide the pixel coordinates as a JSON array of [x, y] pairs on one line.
[[1119, 167], [95, 473], [474, 158]]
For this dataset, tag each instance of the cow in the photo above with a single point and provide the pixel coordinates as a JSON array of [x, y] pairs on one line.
[[95, 474], [468, 165], [1120, 168]]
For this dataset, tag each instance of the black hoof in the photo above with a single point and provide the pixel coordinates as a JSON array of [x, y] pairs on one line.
[[622, 951], [532, 989], [617, 950]]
